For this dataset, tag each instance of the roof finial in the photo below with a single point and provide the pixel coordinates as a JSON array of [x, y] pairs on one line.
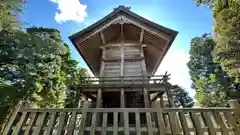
[[122, 7]]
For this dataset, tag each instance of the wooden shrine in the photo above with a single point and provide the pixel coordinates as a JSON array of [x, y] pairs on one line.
[[124, 50]]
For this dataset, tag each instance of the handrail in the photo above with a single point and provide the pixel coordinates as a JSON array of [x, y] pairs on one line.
[[127, 76], [220, 109]]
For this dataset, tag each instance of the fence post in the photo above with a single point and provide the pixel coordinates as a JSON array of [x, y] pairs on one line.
[[236, 106], [8, 126]]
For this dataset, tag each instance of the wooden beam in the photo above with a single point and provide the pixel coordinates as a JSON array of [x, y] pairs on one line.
[[117, 44], [129, 20], [99, 29], [102, 37], [141, 35], [148, 29]]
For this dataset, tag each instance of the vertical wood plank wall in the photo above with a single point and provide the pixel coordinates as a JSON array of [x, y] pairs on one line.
[[128, 57]]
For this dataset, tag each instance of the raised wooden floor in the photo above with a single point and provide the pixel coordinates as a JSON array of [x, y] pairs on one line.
[[161, 121]]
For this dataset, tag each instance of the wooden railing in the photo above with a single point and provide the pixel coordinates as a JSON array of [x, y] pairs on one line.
[[167, 121], [160, 79]]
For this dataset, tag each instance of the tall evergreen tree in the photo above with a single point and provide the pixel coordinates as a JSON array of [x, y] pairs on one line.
[[181, 97], [9, 11], [211, 83], [227, 51], [227, 29]]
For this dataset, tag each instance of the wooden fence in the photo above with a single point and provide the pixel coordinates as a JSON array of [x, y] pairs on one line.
[[94, 121]]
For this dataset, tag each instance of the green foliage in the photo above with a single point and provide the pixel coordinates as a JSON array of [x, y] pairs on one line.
[[211, 83], [227, 29], [182, 97], [28, 65], [52, 33], [227, 50], [33, 69], [9, 11], [204, 2]]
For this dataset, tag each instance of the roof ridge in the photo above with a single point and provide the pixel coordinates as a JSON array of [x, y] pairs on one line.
[[122, 7]]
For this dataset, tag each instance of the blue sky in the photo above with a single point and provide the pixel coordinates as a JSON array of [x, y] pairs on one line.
[[70, 16]]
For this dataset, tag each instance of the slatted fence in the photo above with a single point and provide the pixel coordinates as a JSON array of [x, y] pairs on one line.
[[94, 121]]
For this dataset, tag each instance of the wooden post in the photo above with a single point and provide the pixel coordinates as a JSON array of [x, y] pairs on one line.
[[220, 122], [146, 100], [20, 123], [32, 117], [78, 100], [115, 123], [148, 114], [232, 121], [126, 123], [207, 120], [102, 62], [51, 124], [184, 123], [169, 96], [160, 120], [162, 101], [173, 123], [96, 116], [196, 123], [144, 71], [104, 123], [61, 123], [138, 125], [12, 118], [236, 106], [122, 58], [84, 116], [122, 105], [72, 123]]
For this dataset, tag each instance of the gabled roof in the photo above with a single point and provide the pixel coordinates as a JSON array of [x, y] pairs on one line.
[[123, 11], [128, 12]]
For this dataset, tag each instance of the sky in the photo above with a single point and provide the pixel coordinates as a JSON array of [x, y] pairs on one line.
[[71, 16]]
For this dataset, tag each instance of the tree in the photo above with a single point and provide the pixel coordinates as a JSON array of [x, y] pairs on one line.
[[227, 51], [36, 67], [211, 83], [204, 2], [226, 28], [182, 97], [9, 11], [32, 67]]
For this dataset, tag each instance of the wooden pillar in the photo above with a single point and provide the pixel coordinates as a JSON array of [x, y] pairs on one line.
[[169, 96], [148, 114], [102, 62], [99, 98], [122, 96], [144, 70], [78, 99], [161, 101], [122, 105]]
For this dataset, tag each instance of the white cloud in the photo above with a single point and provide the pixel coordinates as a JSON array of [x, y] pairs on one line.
[[70, 10], [175, 63]]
